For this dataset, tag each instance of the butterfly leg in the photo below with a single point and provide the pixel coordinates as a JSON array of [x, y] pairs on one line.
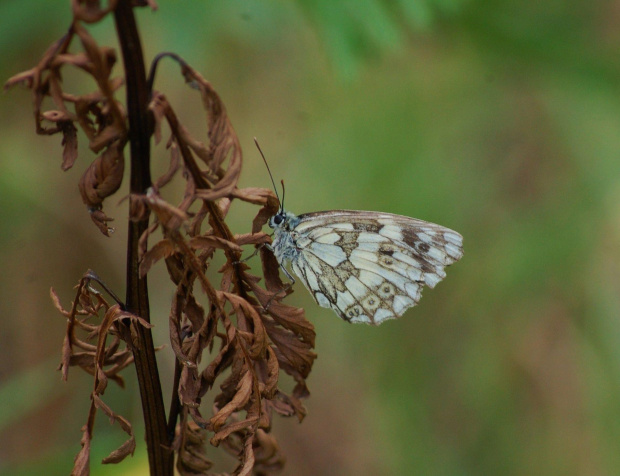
[[258, 248], [288, 275]]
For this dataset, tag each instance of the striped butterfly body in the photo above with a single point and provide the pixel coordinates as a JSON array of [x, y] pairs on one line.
[[366, 266]]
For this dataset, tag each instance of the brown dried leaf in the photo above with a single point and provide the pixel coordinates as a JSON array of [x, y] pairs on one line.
[[69, 141], [258, 196], [252, 239], [218, 364], [247, 461], [211, 242], [176, 339], [26, 77], [228, 271], [224, 204], [190, 440], [150, 3], [158, 106], [106, 136], [194, 312], [262, 217], [272, 371], [100, 219], [271, 271], [175, 166], [241, 398], [189, 391], [143, 243], [57, 116], [90, 11], [293, 354], [269, 458], [249, 321], [163, 249], [203, 336], [231, 428], [79, 60], [99, 57], [81, 463], [293, 319], [95, 360], [57, 304], [100, 121], [223, 141], [139, 210], [286, 405], [170, 217], [104, 176], [129, 446], [32, 77]]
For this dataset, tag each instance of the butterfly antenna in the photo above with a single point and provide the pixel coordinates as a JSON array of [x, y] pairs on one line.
[[270, 175], [282, 206]]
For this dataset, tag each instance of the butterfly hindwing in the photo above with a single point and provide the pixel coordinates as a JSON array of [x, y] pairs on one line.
[[369, 267]]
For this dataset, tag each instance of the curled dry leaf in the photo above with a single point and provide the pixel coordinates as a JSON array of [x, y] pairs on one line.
[[81, 463], [175, 166], [103, 177], [104, 360], [90, 11], [69, 141], [190, 443], [161, 250], [129, 446], [169, 216], [211, 242], [223, 142], [98, 114], [100, 219], [240, 399]]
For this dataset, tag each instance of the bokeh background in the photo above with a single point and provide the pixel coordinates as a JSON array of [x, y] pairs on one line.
[[500, 119]]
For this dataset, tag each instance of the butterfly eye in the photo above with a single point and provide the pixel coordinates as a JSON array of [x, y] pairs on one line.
[[277, 219]]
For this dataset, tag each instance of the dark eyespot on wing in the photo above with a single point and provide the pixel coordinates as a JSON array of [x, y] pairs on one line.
[[386, 250]]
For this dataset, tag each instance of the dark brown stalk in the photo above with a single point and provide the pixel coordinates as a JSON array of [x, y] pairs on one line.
[[140, 129]]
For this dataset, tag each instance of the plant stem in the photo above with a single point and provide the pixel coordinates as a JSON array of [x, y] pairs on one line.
[[137, 302]]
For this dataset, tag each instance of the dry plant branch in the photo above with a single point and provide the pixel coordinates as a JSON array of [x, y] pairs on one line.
[[220, 332]]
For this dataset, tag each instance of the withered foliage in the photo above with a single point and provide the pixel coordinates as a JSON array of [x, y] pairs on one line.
[[243, 339], [98, 114], [229, 334], [102, 360]]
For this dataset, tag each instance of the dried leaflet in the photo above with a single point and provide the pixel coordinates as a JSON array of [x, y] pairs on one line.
[[98, 114], [104, 360]]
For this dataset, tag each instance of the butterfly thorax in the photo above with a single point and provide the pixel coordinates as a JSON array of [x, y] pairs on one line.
[[284, 245]]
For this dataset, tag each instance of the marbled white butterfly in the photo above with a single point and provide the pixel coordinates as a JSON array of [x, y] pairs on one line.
[[366, 266]]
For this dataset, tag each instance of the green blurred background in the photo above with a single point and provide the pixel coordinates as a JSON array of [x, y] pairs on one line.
[[500, 119]]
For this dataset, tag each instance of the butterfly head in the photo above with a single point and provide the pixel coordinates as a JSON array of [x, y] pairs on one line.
[[282, 220]]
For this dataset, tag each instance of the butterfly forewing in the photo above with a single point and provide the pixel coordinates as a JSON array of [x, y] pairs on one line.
[[367, 266]]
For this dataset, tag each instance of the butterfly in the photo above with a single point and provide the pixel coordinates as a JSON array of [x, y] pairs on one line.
[[365, 266]]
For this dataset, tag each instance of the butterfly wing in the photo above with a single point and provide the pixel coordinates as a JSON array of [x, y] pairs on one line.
[[370, 267]]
